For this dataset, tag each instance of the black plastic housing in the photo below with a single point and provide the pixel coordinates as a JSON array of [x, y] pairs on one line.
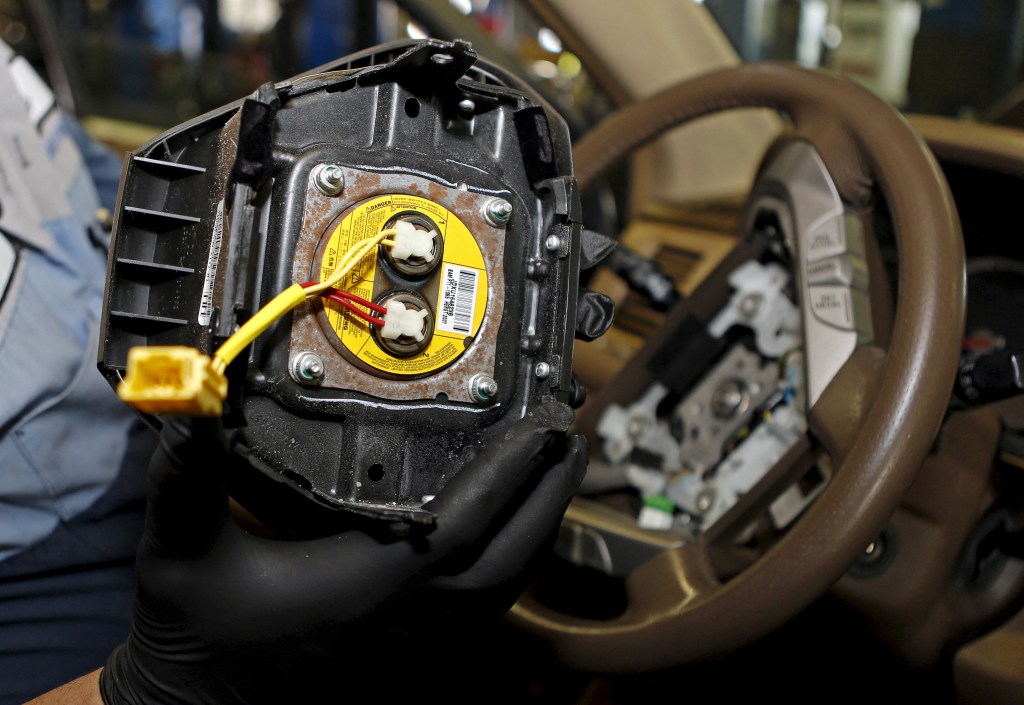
[[430, 109]]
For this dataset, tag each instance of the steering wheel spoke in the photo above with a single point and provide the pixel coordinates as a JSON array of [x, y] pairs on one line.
[[759, 498], [838, 415], [670, 582], [595, 536]]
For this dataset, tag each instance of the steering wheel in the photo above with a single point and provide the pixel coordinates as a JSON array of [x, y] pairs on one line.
[[877, 418]]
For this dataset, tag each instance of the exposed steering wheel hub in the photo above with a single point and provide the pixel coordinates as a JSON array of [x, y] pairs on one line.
[[874, 413]]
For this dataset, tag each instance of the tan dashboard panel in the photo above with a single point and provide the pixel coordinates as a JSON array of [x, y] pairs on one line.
[[975, 144], [119, 135]]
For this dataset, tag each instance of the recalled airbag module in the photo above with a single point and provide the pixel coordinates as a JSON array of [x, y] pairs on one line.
[[368, 271]]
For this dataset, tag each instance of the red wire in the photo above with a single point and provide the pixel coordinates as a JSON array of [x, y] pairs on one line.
[[346, 299], [338, 299], [360, 300], [350, 296]]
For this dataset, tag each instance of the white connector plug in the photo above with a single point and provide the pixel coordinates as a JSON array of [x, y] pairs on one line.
[[399, 321], [411, 242]]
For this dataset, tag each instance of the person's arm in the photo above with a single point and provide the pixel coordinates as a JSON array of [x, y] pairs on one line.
[[81, 691]]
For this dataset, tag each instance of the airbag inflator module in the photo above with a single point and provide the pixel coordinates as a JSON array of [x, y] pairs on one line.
[[362, 270]]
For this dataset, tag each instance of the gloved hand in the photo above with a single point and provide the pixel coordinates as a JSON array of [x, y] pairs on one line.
[[225, 616]]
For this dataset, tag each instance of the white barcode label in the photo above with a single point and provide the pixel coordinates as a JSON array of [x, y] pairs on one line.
[[457, 303], [206, 302]]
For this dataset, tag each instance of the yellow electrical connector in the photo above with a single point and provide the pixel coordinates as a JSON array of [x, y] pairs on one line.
[[181, 380], [173, 379]]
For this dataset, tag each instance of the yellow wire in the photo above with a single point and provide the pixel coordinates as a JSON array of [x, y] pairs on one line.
[[290, 298], [254, 327], [350, 260]]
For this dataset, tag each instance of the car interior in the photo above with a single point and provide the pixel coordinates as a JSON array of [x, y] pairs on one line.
[[806, 423]]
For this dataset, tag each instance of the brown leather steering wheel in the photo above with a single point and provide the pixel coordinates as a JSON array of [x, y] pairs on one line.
[[877, 418]]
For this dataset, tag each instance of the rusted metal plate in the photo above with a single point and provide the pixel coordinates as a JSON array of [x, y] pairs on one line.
[[310, 333]]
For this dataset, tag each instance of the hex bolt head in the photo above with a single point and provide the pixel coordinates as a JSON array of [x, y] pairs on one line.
[[307, 368], [497, 211], [482, 388], [542, 370], [704, 500], [330, 179], [553, 243]]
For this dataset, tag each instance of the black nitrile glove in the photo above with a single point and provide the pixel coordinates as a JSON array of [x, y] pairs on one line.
[[224, 616]]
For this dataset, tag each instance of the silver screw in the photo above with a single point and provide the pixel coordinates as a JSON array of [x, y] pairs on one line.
[[466, 105], [750, 305], [553, 243], [497, 211], [542, 370], [307, 368], [482, 388], [874, 551], [637, 426], [330, 179], [441, 59], [704, 500]]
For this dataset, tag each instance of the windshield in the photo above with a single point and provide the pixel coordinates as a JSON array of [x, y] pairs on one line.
[[155, 63], [958, 58], [150, 64]]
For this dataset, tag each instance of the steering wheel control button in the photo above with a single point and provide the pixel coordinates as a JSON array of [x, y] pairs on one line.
[[832, 305], [842, 270], [826, 242], [841, 307], [828, 239]]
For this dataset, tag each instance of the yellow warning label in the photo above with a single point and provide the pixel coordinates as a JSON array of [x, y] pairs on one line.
[[456, 290]]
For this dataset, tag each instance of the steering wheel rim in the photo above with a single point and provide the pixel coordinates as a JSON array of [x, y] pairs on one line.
[[678, 610]]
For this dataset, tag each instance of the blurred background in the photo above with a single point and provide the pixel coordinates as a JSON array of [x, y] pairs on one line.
[[130, 68]]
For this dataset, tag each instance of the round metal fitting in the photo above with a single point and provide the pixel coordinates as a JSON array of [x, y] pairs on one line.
[[704, 500], [750, 305], [405, 346], [482, 388], [537, 269], [415, 267], [729, 399], [638, 425], [330, 179], [874, 551], [466, 105], [542, 370], [497, 211], [553, 243], [307, 368]]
